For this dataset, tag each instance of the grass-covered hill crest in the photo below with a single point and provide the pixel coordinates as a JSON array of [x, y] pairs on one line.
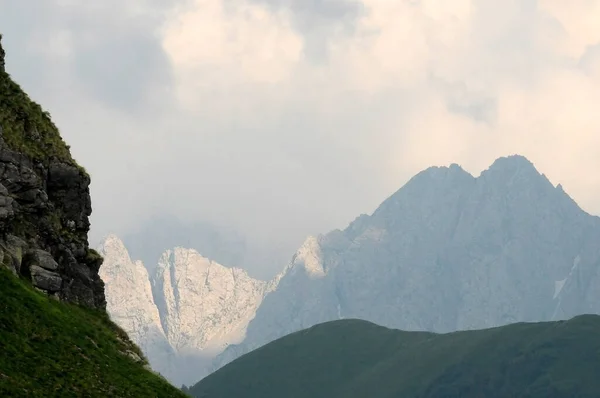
[[352, 358]]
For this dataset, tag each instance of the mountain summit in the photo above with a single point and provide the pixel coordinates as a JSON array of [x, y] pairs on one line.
[[183, 313], [446, 252]]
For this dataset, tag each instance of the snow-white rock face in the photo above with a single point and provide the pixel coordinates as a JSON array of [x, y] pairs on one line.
[[130, 304], [203, 305], [447, 252], [184, 314]]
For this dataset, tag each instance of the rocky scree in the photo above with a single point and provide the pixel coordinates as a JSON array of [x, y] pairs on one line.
[[45, 203]]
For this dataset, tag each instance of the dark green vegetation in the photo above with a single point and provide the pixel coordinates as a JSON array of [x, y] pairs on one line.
[[27, 128], [352, 358], [54, 349]]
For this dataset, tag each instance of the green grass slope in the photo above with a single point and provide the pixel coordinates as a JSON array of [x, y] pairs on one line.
[[52, 349], [352, 358], [27, 128]]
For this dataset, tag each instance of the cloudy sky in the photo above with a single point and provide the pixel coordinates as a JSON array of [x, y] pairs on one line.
[[283, 118]]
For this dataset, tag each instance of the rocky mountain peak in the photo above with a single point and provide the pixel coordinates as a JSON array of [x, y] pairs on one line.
[[182, 314], [515, 172], [113, 244], [439, 174], [512, 163], [427, 185], [515, 186], [420, 200], [447, 251], [308, 258]]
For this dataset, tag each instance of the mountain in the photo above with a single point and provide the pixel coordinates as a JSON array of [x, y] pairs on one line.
[[446, 252], [353, 358], [185, 313], [128, 286], [55, 336]]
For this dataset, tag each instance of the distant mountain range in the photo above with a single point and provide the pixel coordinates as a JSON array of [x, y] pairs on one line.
[[356, 359], [448, 251]]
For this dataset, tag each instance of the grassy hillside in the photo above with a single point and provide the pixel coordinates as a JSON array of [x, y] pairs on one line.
[[27, 128], [53, 349], [352, 358]]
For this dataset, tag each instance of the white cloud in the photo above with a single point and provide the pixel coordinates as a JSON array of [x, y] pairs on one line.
[[214, 47], [514, 62]]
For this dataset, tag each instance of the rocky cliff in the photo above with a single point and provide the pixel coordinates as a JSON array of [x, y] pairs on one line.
[[184, 313], [447, 252], [131, 306], [44, 203]]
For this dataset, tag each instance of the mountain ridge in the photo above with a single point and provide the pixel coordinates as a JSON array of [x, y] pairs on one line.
[[446, 245], [184, 313], [355, 358]]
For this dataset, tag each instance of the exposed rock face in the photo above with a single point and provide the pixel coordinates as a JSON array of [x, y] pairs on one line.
[[131, 306], [446, 252], [44, 203], [203, 305], [44, 279], [184, 314]]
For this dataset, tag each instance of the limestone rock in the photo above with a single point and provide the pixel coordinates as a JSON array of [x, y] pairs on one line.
[[42, 259], [136, 358], [13, 248], [131, 306], [184, 314], [6, 205], [44, 279], [44, 201], [447, 252]]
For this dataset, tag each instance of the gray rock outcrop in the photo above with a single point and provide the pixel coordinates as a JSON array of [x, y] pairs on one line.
[[44, 203]]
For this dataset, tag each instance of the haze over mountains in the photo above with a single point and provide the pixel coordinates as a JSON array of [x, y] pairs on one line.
[[447, 252], [221, 244]]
